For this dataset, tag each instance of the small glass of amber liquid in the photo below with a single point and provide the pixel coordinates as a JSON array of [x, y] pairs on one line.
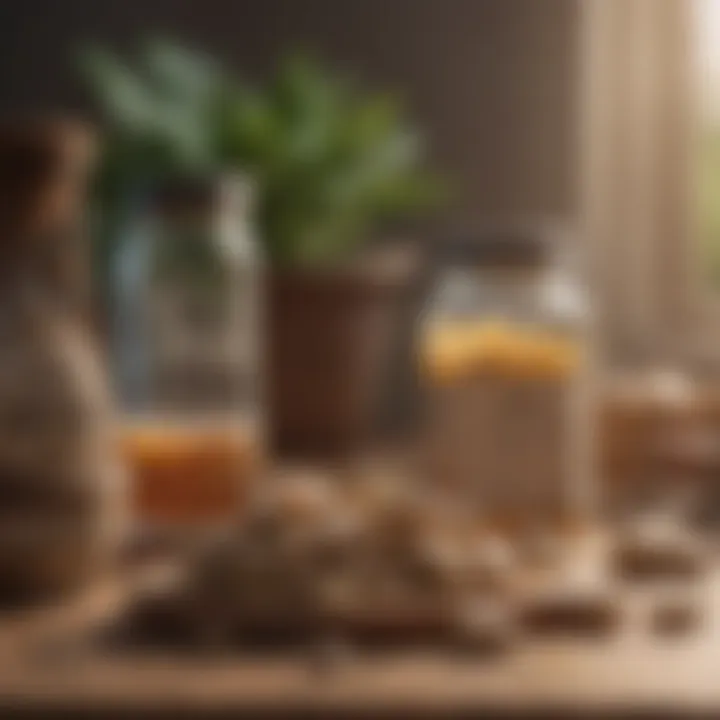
[[189, 350], [189, 473]]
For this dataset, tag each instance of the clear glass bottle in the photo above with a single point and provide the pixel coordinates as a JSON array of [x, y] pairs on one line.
[[188, 349], [506, 368]]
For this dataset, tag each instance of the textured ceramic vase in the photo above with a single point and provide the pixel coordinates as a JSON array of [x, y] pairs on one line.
[[61, 491]]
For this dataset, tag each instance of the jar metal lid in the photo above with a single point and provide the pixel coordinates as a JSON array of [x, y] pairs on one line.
[[505, 249]]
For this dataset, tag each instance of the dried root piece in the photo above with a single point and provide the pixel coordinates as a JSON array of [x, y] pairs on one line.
[[543, 549], [675, 617], [490, 566], [485, 626], [330, 654], [572, 609], [656, 548], [311, 557]]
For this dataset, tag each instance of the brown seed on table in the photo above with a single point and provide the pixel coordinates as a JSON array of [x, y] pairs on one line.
[[657, 549], [485, 626], [330, 654], [675, 618], [575, 611]]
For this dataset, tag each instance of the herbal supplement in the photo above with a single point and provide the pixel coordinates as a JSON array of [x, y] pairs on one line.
[[504, 360]]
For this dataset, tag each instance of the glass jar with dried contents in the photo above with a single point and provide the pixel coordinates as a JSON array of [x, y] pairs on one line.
[[506, 366], [188, 350]]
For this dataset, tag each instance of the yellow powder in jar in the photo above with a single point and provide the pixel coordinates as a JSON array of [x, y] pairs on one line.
[[453, 352]]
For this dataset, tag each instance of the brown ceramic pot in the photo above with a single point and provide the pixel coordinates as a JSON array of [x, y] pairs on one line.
[[330, 350]]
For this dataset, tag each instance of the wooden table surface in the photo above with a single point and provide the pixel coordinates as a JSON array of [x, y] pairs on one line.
[[45, 668]]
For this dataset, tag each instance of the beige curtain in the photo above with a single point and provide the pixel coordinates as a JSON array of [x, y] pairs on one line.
[[636, 85]]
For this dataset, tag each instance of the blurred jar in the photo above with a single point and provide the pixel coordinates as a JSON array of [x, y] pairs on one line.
[[188, 350], [505, 363]]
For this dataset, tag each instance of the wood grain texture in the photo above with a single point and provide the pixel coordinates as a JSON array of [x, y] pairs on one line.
[[632, 670]]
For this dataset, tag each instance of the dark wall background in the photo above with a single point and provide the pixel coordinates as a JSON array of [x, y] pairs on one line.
[[492, 81]]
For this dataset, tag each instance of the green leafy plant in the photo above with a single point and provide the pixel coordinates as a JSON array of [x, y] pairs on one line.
[[330, 162]]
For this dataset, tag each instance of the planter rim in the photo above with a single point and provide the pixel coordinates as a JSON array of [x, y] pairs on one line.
[[388, 269]]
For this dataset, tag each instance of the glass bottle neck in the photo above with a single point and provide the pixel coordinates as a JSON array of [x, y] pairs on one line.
[[469, 292]]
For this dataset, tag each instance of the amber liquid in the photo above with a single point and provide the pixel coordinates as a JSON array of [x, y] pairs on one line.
[[189, 473]]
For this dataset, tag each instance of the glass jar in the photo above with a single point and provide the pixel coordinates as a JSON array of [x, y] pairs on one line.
[[505, 365], [188, 350]]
